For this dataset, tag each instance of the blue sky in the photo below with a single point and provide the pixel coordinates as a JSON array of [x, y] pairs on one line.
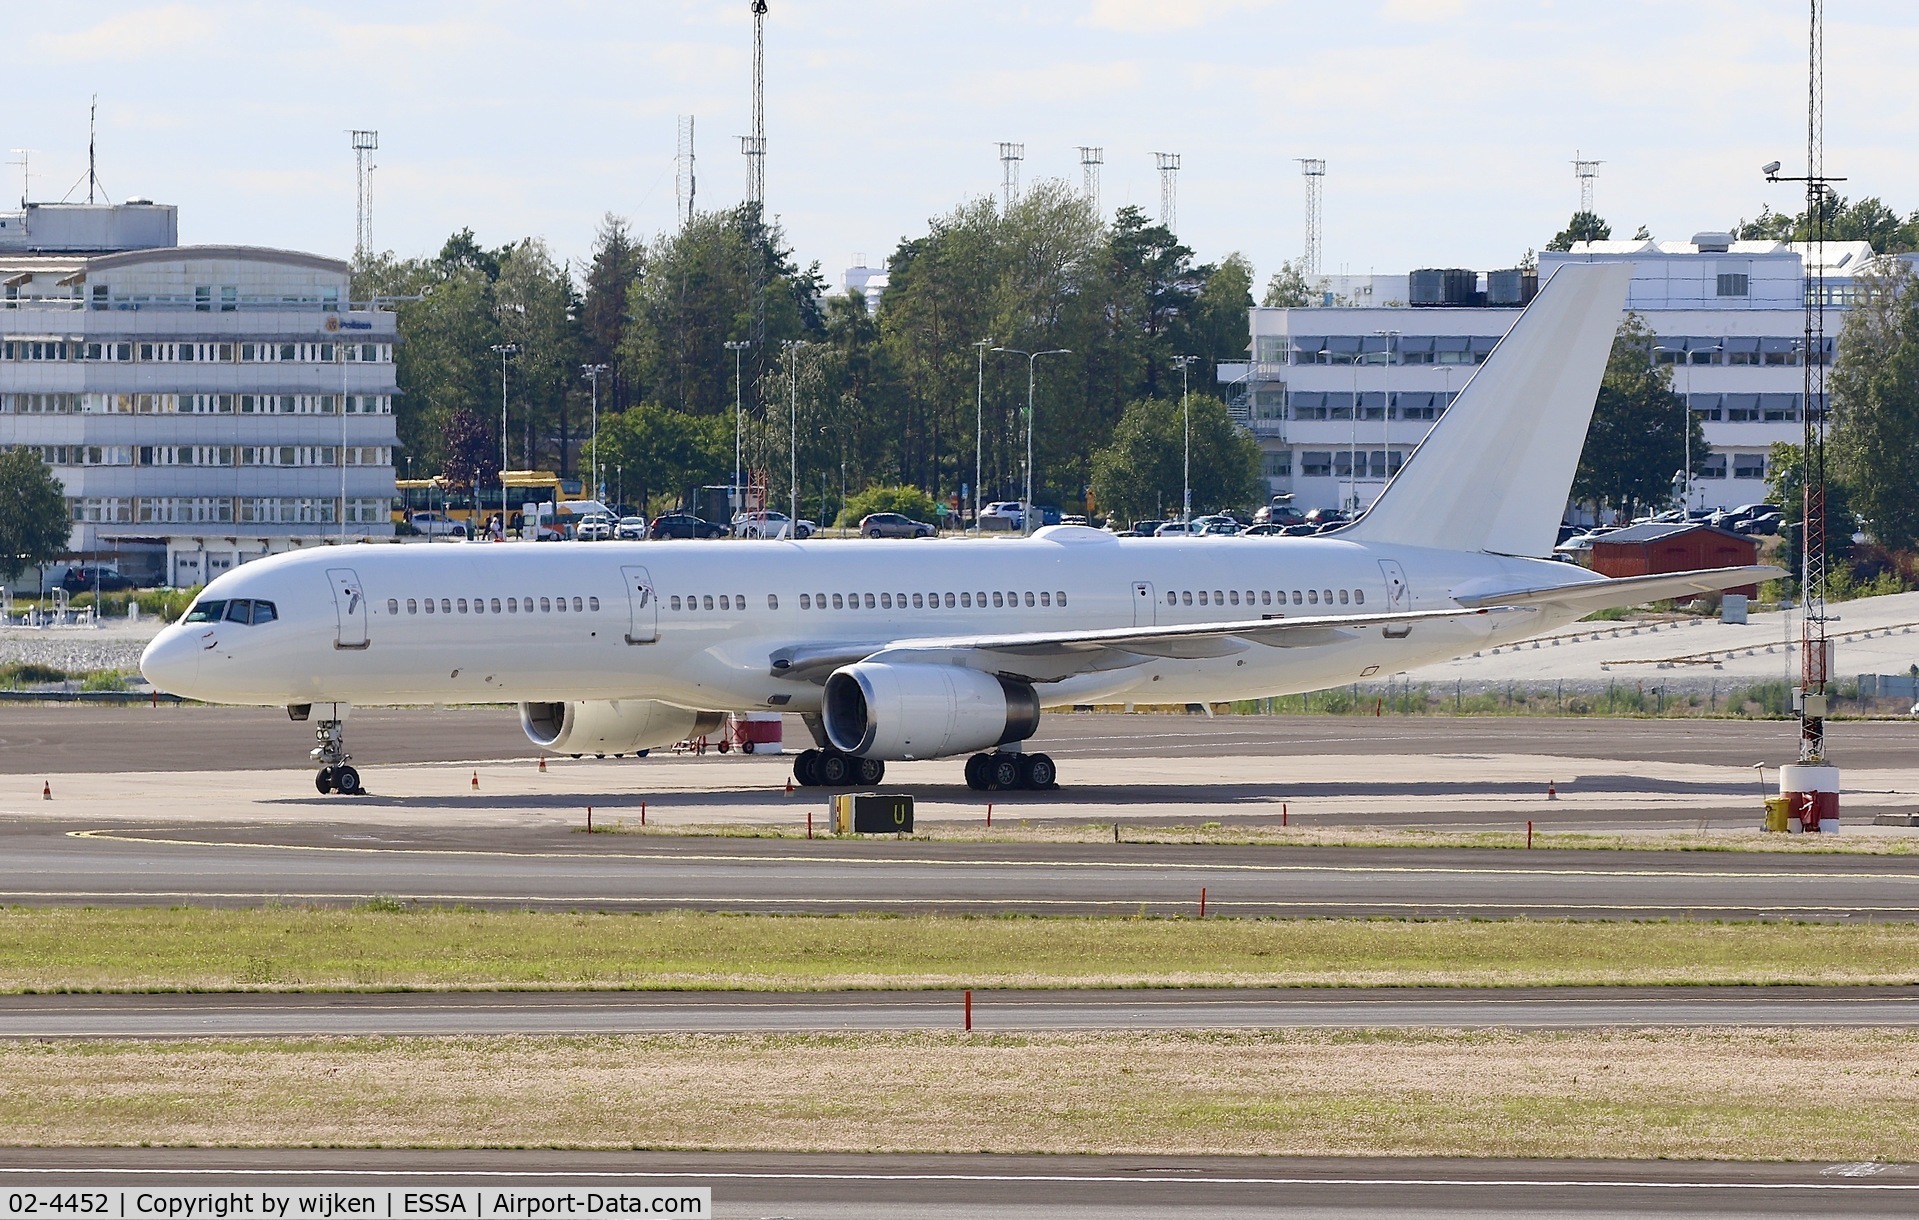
[[1448, 126]]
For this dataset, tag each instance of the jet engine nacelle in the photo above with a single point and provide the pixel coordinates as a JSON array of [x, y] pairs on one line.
[[624, 727], [885, 711]]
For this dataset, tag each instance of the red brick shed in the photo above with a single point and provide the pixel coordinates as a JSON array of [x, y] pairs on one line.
[[1647, 550]]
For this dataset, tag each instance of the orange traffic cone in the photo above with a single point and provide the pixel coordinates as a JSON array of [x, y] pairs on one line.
[[46, 790], [542, 763], [476, 781], [789, 785], [1552, 790]]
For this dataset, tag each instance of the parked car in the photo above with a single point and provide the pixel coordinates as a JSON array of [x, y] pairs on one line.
[[630, 529], [895, 525], [1327, 516], [1762, 523], [769, 523], [1299, 531], [1001, 515], [437, 525], [683, 525], [1147, 528], [1278, 514], [1072, 519], [1263, 530], [87, 579], [594, 527], [1219, 528], [1175, 529]]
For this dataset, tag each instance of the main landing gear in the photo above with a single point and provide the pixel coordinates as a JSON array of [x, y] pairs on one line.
[[1005, 772], [828, 768], [334, 774]]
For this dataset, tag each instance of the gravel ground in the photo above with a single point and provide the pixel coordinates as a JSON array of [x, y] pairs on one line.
[[116, 644]]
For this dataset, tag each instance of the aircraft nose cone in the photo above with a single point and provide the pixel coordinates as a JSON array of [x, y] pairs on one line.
[[172, 661]]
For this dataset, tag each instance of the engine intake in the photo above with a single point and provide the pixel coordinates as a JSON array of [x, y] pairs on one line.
[[623, 727], [885, 711]]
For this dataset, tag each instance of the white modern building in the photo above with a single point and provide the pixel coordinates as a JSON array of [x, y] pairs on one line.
[[201, 404], [1338, 395]]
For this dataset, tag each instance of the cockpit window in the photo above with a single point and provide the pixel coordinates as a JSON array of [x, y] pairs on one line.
[[240, 611], [206, 611], [263, 612]]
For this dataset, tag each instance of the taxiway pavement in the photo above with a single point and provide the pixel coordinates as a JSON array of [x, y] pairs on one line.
[[552, 867], [648, 1012]]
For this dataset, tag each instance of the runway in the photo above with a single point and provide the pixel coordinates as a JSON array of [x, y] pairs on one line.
[[802, 1186], [555, 868], [644, 1012]]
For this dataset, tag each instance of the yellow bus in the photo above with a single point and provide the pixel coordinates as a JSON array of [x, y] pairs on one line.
[[472, 508]]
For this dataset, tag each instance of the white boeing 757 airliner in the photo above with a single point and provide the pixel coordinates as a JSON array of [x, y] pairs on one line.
[[931, 648]]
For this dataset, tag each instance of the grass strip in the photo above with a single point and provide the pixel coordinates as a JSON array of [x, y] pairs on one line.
[[387, 947], [1742, 1095], [1303, 834]]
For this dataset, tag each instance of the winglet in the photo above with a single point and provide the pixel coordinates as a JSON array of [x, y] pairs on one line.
[[1494, 473]]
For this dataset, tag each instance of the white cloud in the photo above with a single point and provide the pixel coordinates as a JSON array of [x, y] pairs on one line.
[[146, 34], [1159, 16]]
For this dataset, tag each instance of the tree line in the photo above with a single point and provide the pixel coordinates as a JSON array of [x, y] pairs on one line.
[[911, 393]]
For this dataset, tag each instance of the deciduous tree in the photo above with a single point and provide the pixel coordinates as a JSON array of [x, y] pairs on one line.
[[1142, 471], [1638, 436], [34, 523], [1874, 392]]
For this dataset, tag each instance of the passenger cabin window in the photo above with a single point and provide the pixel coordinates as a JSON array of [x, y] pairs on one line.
[[806, 601], [496, 605], [546, 605], [429, 606], [392, 605], [446, 605], [772, 602], [1359, 595], [412, 606]]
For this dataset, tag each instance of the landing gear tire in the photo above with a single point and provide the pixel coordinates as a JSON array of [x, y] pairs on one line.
[[1002, 771], [870, 770], [835, 769], [346, 781], [1036, 771], [806, 768], [976, 772], [334, 775], [323, 780]]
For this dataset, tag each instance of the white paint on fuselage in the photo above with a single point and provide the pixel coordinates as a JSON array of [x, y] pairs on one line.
[[713, 659]]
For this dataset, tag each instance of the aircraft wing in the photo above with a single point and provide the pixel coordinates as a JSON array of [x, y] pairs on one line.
[[1590, 595], [1051, 656]]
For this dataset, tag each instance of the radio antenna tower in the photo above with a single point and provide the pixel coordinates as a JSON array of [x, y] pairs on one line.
[[93, 122], [1586, 171], [1314, 170], [1812, 787], [683, 181], [364, 142], [1010, 155], [1090, 159], [23, 159], [753, 147], [1168, 164]]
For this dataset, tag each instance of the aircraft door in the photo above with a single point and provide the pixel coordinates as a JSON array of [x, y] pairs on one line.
[[642, 607], [1145, 604], [1399, 598], [349, 607]]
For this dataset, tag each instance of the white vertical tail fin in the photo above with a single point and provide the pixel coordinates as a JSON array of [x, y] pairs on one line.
[[1494, 473]]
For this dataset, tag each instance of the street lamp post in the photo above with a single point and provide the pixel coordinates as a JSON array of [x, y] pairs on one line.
[[1032, 358], [593, 372], [1186, 408], [504, 350], [979, 427], [793, 426], [1386, 410], [736, 346]]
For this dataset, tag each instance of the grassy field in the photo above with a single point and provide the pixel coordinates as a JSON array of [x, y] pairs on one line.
[[1010, 828], [1746, 1094], [117, 949]]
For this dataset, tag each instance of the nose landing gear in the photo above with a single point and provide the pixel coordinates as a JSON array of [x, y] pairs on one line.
[[334, 774]]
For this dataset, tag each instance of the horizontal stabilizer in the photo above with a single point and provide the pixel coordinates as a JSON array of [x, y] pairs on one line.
[[1603, 594]]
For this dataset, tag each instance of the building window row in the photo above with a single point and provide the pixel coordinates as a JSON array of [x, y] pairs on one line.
[[1750, 408], [1370, 404], [1348, 463], [154, 352], [208, 455], [194, 404], [190, 510]]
